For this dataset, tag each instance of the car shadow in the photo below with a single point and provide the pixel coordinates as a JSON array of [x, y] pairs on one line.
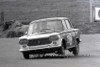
[[65, 57]]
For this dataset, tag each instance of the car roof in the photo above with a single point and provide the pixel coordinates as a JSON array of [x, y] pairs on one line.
[[53, 18]]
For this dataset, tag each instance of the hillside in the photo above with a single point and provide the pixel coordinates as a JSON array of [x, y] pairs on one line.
[[27, 10]]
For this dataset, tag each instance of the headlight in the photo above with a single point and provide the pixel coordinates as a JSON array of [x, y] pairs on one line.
[[23, 41], [53, 38]]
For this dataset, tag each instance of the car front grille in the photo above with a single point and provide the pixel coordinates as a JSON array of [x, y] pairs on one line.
[[42, 41]]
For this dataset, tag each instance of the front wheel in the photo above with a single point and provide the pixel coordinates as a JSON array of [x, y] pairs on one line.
[[62, 52], [26, 55]]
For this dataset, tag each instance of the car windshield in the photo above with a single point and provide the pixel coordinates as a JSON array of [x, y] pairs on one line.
[[45, 26]]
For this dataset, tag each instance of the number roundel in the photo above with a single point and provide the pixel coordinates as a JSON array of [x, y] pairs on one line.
[[69, 38]]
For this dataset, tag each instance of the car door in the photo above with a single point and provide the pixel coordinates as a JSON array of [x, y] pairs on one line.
[[70, 33]]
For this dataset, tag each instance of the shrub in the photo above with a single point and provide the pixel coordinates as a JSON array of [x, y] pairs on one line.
[[11, 34]]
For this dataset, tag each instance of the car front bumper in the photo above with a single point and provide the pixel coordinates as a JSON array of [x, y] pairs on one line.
[[41, 48], [43, 51]]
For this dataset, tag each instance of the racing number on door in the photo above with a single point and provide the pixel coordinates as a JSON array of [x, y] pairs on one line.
[[69, 39]]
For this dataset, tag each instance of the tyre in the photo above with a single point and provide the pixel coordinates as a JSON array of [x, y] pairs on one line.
[[62, 51], [76, 50], [26, 55]]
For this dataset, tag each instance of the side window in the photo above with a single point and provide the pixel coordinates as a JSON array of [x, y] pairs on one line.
[[70, 24], [67, 24]]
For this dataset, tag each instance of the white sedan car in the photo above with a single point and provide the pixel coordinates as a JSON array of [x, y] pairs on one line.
[[50, 35]]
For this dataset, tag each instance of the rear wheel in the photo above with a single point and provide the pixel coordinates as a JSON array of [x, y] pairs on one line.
[[26, 55], [76, 50]]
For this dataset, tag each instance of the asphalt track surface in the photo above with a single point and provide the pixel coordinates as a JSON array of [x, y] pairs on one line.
[[89, 55]]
